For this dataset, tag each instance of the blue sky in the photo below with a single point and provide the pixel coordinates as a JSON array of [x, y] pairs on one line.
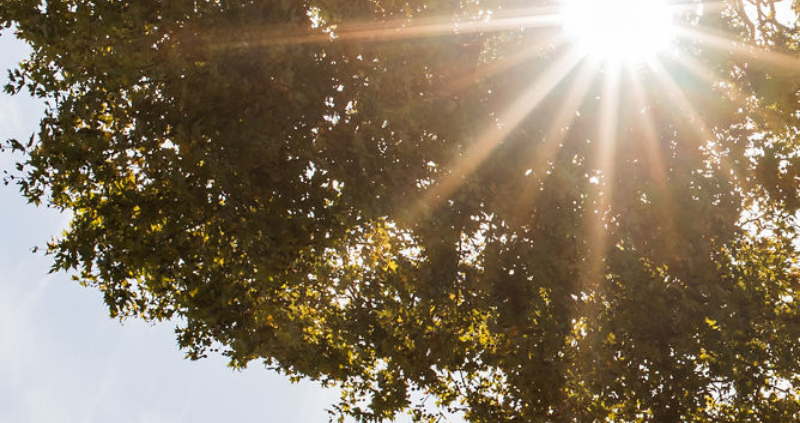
[[63, 360]]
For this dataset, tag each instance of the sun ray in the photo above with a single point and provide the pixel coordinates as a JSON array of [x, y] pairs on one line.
[[493, 136], [609, 123], [658, 171], [546, 42], [556, 134], [705, 74], [600, 200], [678, 98], [592, 276], [776, 62], [648, 126], [696, 68], [695, 120], [737, 97], [398, 29]]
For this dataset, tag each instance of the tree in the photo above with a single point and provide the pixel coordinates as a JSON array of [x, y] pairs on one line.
[[434, 199]]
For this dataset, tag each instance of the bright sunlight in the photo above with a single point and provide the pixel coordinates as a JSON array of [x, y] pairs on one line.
[[628, 31]]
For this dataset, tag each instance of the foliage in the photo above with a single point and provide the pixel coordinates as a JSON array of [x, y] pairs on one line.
[[304, 184]]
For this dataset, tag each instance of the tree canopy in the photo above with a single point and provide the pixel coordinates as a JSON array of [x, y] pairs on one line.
[[436, 205]]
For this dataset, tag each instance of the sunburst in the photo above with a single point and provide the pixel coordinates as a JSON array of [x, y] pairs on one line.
[[628, 31], [600, 36], [612, 37]]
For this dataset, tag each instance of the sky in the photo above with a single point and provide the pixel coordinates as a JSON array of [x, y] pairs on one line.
[[62, 359]]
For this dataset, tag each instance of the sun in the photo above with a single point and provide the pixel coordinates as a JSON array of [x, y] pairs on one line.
[[622, 31]]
